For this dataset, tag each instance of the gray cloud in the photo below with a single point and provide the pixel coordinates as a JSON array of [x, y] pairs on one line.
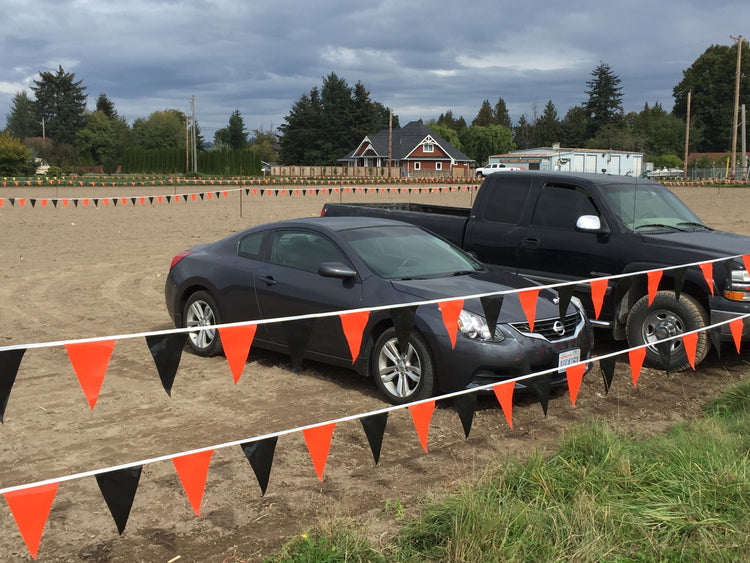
[[420, 59]]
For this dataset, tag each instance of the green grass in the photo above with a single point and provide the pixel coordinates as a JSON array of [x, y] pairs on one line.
[[681, 496]]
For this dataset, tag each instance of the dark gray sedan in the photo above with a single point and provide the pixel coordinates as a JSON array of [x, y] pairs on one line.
[[322, 264]]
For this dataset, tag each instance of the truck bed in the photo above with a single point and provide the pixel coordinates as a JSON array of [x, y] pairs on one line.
[[445, 221]]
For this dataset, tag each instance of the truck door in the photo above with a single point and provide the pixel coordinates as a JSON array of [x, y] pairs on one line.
[[553, 250], [494, 229]]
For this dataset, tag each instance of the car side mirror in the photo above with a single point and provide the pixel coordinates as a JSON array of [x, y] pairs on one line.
[[336, 270], [591, 224]]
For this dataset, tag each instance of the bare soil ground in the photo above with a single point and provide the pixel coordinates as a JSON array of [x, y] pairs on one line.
[[80, 272]]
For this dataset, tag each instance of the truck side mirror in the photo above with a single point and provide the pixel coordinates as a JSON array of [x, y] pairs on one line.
[[591, 224]]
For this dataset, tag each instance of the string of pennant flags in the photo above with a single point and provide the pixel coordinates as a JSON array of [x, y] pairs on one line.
[[30, 503], [114, 201]]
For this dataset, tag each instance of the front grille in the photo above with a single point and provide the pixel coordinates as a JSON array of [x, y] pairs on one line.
[[546, 327]]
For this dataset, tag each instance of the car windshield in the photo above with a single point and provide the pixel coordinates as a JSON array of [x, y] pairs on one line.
[[408, 252], [650, 207]]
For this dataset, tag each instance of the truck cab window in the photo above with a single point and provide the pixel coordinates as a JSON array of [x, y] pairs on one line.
[[507, 201], [560, 206]]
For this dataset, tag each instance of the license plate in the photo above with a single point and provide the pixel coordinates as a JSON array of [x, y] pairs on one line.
[[568, 358]]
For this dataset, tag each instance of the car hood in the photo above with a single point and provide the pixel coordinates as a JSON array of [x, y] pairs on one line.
[[474, 284], [704, 243]]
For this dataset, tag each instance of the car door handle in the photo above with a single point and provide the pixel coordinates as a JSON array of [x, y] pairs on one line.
[[531, 242], [268, 280]]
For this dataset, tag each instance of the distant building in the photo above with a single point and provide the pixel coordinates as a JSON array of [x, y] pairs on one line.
[[555, 158], [415, 149]]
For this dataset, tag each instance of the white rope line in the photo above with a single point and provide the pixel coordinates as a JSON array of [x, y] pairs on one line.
[[347, 418], [359, 310]]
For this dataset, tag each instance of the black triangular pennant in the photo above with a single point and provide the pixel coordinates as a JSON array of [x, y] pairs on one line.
[[10, 360], [96, 202], [491, 306], [54, 203], [564, 294], [679, 281], [151, 199], [132, 200], [118, 489], [374, 427], [466, 405], [607, 365], [12, 201], [169, 199], [297, 336], [665, 352], [715, 335], [540, 385], [403, 322], [260, 455], [622, 287], [167, 351], [32, 201], [185, 197], [75, 202], [201, 195]]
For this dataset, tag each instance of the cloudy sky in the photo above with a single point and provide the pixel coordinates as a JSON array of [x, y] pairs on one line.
[[419, 58]]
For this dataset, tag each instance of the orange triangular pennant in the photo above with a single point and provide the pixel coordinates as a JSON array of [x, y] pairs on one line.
[[636, 357], [90, 361], [746, 261], [653, 284], [193, 471], [450, 310], [30, 508], [354, 325], [236, 341], [575, 376], [690, 342], [318, 440], [421, 414], [708, 274], [504, 393], [598, 290], [737, 326], [528, 303]]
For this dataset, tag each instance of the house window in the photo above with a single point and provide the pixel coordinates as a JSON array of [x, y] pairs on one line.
[[438, 166], [417, 166], [428, 147]]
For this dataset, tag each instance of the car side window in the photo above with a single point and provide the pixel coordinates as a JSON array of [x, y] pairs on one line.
[[560, 206], [252, 245], [304, 250], [505, 202]]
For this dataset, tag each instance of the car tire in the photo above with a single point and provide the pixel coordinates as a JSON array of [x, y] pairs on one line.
[[480, 175], [668, 316], [402, 377], [201, 310]]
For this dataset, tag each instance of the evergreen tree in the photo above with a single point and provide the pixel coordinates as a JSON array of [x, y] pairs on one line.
[[547, 127], [448, 120], [574, 128], [500, 115], [523, 133], [300, 134], [484, 117], [106, 106], [604, 106], [61, 102], [22, 121], [711, 79], [236, 136]]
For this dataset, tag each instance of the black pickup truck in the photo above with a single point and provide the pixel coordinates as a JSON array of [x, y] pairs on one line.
[[563, 227]]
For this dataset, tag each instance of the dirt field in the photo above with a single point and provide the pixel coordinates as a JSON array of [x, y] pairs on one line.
[[71, 273]]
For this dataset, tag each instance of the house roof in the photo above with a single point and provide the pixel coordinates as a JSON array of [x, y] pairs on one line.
[[405, 140]]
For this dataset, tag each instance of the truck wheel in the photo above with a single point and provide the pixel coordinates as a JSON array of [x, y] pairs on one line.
[[402, 376], [666, 317], [479, 175]]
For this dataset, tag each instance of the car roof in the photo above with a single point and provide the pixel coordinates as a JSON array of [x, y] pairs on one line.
[[551, 176], [336, 223]]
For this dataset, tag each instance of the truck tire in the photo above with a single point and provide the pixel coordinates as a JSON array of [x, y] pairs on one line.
[[667, 316], [480, 175]]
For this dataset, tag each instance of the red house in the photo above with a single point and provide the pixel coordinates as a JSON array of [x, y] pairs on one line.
[[414, 149]]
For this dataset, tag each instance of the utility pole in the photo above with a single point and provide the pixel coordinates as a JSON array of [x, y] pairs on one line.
[[687, 137], [187, 145], [744, 142], [739, 41], [44, 136], [195, 150], [390, 142]]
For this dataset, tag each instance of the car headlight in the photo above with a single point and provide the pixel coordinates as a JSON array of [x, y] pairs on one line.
[[475, 327], [739, 286]]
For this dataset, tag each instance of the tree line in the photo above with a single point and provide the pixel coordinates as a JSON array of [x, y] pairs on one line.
[[328, 122]]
